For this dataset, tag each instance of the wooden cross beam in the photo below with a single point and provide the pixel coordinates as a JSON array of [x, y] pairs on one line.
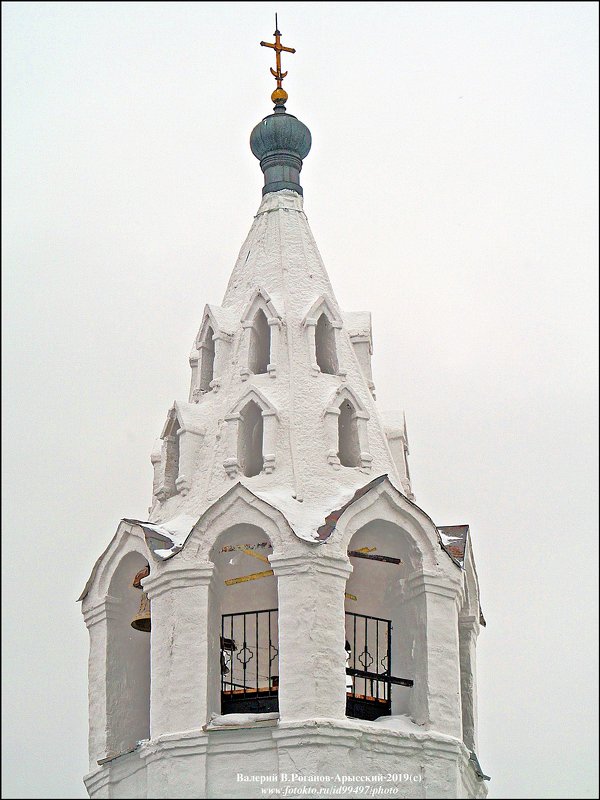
[[253, 577], [372, 557], [256, 555]]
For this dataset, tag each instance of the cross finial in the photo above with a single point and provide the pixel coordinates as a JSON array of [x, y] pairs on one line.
[[279, 96]]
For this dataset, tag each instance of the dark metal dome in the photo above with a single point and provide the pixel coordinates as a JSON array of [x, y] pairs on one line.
[[280, 142]]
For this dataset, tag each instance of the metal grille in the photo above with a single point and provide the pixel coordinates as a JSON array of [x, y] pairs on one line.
[[368, 666], [249, 662]]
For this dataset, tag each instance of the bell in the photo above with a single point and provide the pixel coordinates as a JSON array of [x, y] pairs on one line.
[[142, 620], [229, 646]]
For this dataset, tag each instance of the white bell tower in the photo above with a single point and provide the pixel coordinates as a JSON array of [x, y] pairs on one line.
[[298, 621]]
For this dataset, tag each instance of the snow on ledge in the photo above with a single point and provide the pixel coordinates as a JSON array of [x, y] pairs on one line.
[[220, 721], [166, 538]]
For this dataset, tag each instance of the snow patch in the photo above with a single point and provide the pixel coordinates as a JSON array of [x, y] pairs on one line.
[[235, 720], [306, 518]]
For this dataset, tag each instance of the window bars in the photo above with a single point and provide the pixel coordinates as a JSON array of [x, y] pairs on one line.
[[249, 662], [369, 666]]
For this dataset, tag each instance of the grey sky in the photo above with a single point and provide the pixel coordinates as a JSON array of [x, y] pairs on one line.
[[452, 191]]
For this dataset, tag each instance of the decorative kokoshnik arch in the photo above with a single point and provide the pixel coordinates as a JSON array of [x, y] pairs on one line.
[[210, 351], [346, 430], [261, 323], [323, 325], [251, 435]]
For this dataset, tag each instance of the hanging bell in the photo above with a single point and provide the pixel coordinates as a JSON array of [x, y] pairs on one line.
[[227, 645], [142, 620]]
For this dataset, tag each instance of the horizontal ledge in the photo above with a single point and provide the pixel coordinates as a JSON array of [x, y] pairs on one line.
[[266, 723]]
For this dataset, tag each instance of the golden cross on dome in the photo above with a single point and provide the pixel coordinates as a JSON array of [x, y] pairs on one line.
[[279, 96]]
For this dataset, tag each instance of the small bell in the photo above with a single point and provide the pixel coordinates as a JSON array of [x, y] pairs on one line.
[[142, 620], [227, 645]]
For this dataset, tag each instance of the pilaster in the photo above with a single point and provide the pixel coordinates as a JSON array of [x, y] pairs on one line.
[[97, 619], [436, 600], [312, 657], [182, 653]]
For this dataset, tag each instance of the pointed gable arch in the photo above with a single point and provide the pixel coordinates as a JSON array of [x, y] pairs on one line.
[[109, 602], [346, 392], [220, 319], [172, 423], [260, 298], [322, 306], [252, 393], [169, 461], [127, 538], [182, 435]]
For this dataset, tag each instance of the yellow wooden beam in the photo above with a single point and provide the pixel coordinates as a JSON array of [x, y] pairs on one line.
[[350, 596], [256, 555], [253, 577]]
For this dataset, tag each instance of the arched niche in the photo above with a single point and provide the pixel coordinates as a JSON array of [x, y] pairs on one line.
[[250, 435], [325, 346], [207, 360], [348, 441], [381, 629], [250, 440], [169, 466], [322, 325], [260, 344], [244, 621], [127, 662], [346, 420]]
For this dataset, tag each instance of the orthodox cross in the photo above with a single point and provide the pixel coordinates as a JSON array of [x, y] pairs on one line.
[[279, 48]]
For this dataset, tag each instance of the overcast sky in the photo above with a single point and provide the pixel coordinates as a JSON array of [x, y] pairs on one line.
[[452, 191]]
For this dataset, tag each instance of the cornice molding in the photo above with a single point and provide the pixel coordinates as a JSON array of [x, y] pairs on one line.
[[178, 577]]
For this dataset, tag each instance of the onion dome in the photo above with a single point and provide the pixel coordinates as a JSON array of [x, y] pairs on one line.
[[280, 142]]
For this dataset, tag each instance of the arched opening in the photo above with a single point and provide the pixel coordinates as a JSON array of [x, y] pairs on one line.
[[250, 440], [245, 621], [207, 364], [381, 628], [260, 344], [325, 351], [348, 442], [170, 457], [128, 661]]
